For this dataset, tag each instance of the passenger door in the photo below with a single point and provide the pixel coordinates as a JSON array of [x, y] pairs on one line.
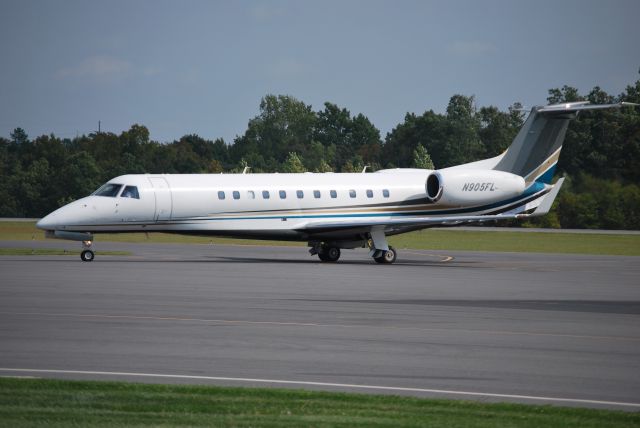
[[164, 202]]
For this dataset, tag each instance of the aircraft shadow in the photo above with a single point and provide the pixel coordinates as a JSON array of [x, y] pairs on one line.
[[259, 260]]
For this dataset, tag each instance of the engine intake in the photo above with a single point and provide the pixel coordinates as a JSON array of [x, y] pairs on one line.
[[460, 187], [434, 187]]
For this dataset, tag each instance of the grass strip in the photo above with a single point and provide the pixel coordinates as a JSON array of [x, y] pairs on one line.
[[59, 403], [429, 239], [53, 252]]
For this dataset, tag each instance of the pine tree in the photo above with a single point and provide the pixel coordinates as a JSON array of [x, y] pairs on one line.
[[293, 163], [421, 158]]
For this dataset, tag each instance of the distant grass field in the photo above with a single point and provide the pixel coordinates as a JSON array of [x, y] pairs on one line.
[[449, 239], [56, 403]]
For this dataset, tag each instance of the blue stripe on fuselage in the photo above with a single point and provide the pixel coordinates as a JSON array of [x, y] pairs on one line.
[[534, 188]]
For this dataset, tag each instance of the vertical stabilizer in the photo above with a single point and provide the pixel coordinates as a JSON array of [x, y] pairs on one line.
[[535, 151]]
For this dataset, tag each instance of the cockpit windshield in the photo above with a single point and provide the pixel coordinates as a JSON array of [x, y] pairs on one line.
[[110, 189], [130, 192]]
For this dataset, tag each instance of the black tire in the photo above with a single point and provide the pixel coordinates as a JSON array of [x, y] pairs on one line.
[[388, 257], [87, 256], [329, 254], [391, 255], [333, 253]]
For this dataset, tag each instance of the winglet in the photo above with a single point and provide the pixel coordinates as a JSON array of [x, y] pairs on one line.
[[545, 206]]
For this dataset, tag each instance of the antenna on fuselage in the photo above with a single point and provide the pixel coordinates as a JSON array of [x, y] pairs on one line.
[[246, 168], [365, 169]]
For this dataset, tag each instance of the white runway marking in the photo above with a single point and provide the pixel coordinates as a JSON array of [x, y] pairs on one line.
[[327, 384]]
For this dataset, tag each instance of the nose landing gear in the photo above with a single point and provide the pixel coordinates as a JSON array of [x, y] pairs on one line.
[[87, 255]]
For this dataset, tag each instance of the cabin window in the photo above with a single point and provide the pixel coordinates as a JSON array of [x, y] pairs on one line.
[[251, 194], [236, 194], [130, 192], [369, 193], [110, 190], [221, 195], [385, 193], [352, 193], [283, 194], [265, 194], [316, 194], [299, 194], [333, 194]]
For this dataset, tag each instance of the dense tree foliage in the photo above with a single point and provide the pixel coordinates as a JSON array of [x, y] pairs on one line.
[[601, 155]]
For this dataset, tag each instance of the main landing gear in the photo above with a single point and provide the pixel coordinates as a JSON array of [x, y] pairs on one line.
[[376, 240], [87, 255], [329, 253], [379, 249], [387, 257]]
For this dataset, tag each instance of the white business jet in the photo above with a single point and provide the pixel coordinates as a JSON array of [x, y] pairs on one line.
[[331, 211]]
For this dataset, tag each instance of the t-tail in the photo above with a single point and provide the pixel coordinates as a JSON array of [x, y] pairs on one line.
[[534, 152], [517, 181]]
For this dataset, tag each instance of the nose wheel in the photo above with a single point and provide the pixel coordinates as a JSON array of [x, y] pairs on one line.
[[87, 255]]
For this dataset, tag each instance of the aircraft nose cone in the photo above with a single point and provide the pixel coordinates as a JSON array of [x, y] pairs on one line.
[[47, 223]]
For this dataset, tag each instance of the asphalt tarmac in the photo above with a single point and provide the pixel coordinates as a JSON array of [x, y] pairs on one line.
[[532, 328]]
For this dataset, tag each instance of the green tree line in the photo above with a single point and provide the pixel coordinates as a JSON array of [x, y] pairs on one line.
[[601, 155]]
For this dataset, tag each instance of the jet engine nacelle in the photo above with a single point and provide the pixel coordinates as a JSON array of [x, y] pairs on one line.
[[472, 187]]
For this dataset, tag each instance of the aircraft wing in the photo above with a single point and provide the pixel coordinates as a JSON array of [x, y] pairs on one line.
[[409, 222], [432, 221]]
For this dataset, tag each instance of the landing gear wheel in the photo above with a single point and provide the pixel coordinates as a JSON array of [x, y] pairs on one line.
[[87, 256], [329, 254], [388, 257]]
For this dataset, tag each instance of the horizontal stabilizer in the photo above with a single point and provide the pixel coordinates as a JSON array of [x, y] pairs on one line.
[[580, 106], [547, 202]]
